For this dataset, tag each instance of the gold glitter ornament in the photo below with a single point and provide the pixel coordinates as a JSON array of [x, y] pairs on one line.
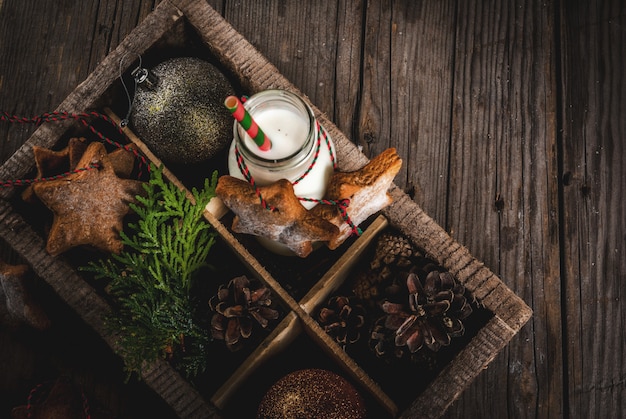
[[312, 393], [178, 110]]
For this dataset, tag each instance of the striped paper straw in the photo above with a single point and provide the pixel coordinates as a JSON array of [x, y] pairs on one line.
[[242, 116]]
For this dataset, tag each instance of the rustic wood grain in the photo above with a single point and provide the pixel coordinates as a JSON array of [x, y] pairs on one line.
[[521, 163], [503, 191], [593, 35], [114, 21], [307, 56], [407, 87], [40, 64]]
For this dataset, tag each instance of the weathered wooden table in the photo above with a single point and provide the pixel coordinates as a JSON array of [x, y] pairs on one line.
[[509, 115]]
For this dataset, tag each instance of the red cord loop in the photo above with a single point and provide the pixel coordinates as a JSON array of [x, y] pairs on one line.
[[63, 116], [342, 205]]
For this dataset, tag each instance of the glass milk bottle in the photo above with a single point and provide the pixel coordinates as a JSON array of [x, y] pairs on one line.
[[301, 151]]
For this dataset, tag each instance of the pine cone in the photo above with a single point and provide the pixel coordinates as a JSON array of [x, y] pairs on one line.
[[366, 286], [392, 252], [236, 306], [393, 255], [342, 318], [430, 315]]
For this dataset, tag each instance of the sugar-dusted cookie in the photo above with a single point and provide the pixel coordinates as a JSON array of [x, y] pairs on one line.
[[288, 222], [89, 206], [366, 189]]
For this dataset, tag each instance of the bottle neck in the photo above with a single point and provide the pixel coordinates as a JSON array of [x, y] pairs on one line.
[[292, 129]]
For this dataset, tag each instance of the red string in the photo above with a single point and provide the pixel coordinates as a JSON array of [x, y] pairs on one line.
[[26, 182], [83, 117], [29, 400], [342, 205], [243, 168]]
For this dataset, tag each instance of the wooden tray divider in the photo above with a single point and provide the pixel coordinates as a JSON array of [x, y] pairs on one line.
[[337, 273], [282, 335], [325, 286], [289, 328]]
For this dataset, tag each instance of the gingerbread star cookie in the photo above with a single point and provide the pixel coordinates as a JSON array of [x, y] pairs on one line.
[[366, 189], [88, 206], [123, 162], [288, 222]]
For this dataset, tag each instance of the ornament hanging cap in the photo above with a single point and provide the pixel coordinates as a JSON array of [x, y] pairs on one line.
[[145, 77], [140, 75]]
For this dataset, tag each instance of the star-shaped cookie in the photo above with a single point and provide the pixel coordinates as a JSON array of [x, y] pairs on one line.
[[289, 223], [366, 189], [88, 206]]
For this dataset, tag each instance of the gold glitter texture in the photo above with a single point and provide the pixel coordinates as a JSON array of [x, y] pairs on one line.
[[312, 393], [183, 119]]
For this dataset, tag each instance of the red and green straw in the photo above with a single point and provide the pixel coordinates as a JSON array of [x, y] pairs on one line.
[[242, 116]]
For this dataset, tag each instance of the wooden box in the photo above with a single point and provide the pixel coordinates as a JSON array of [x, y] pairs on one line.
[[194, 27]]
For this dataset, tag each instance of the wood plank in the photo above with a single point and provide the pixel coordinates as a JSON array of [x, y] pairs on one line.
[[40, 65], [114, 21], [593, 55], [347, 83], [503, 196], [291, 49], [407, 87]]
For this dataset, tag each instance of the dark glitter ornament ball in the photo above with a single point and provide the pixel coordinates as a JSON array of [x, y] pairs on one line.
[[312, 393], [179, 111]]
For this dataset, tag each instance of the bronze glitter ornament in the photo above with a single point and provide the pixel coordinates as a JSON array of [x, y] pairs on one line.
[[312, 393], [178, 110]]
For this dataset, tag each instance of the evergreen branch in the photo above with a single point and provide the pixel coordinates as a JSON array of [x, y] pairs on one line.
[[151, 279]]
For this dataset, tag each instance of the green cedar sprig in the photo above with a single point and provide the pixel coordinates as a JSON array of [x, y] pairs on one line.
[[151, 279]]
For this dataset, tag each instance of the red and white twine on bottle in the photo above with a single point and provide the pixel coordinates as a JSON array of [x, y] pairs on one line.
[[342, 205]]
